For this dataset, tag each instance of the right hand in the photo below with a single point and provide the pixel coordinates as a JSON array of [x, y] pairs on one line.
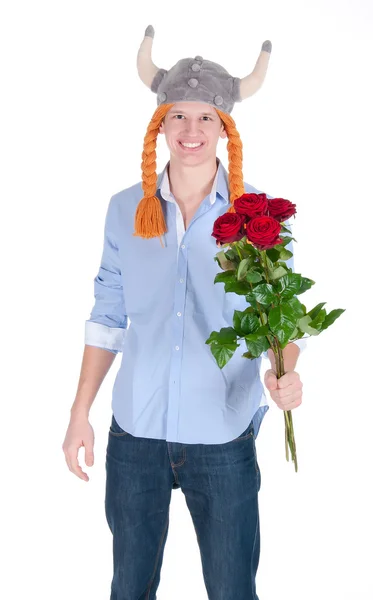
[[79, 433]]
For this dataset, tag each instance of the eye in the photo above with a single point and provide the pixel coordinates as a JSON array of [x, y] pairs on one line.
[[178, 116], [206, 117]]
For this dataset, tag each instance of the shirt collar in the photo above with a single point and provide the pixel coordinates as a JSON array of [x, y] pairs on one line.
[[219, 186]]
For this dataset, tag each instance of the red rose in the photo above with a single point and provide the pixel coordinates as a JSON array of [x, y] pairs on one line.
[[251, 205], [263, 232], [229, 228], [281, 209]]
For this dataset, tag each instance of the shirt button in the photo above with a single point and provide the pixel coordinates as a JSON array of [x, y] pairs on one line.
[[181, 280], [179, 314], [176, 347], [183, 246]]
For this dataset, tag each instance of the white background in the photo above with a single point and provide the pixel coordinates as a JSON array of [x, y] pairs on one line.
[[73, 117]]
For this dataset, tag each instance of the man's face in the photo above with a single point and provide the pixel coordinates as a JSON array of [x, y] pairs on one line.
[[192, 131]]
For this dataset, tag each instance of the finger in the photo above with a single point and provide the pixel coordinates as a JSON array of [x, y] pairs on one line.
[[271, 381], [280, 396], [89, 457], [271, 385], [72, 462], [296, 399], [283, 400], [293, 405], [288, 379], [287, 392]]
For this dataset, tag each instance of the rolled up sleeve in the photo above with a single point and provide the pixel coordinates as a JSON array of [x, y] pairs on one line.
[[107, 325]]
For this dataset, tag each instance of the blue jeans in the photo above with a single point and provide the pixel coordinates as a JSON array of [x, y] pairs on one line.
[[220, 483]]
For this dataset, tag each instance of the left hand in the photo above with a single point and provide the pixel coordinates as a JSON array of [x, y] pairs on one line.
[[286, 391]]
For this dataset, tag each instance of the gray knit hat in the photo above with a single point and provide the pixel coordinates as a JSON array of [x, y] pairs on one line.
[[199, 80]]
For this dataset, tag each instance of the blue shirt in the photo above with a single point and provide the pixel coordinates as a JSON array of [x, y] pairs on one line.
[[157, 306]]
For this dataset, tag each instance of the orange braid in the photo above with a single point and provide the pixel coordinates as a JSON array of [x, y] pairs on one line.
[[234, 146], [149, 219]]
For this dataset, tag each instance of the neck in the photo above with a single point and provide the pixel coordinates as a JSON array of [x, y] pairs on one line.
[[191, 184]]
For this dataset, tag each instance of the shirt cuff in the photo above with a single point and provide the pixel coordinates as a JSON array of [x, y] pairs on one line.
[[102, 336]]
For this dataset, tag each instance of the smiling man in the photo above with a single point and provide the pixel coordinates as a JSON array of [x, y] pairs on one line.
[[178, 420]]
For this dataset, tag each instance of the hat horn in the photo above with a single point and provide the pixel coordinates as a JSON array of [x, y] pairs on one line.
[[145, 66], [251, 83]]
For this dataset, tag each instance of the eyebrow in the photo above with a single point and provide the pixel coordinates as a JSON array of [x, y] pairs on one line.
[[181, 112]]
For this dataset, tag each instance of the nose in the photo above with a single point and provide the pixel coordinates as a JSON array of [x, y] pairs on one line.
[[192, 127]]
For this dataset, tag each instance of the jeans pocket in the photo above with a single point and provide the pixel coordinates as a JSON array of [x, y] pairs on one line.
[[116, 429]]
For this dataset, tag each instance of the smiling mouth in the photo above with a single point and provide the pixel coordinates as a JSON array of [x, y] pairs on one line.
[[191, 146]]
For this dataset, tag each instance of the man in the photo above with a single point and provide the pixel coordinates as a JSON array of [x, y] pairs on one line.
[[178, 420]]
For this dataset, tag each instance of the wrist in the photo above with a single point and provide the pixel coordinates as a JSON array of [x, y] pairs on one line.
[[79, 412]]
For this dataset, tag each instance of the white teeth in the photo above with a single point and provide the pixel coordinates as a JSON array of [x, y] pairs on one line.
[[191, 145]]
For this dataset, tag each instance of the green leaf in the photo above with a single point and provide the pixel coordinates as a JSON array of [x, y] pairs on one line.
[[286, 229], [237, 318], [285, 241], [257, 347], [266, 260], [304, 325], [248, 355], [245, 322], [226, 335], [225, 276], [261, 332], [242, 243], [243, 267], [249, 249], [281, 263], [277, 273], [289, 285], [223, 354], [253, 277], [305, 285], [264, 293], [285, 254], [238, 287], [231, 255], [250, 323], [331, 317], [315, 311], [257, 332], [273, 254], [223, 262], [282, 321], [296, 307], [243, 250], [295, 334], [252, 337], [317, 322]]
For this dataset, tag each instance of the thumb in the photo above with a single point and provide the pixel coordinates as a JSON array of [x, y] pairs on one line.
[[271, 379], [89, 457]]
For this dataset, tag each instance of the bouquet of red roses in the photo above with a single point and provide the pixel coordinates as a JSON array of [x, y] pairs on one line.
[[254, 265]]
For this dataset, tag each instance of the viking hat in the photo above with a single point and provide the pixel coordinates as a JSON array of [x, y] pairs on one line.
[[191, 80]]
